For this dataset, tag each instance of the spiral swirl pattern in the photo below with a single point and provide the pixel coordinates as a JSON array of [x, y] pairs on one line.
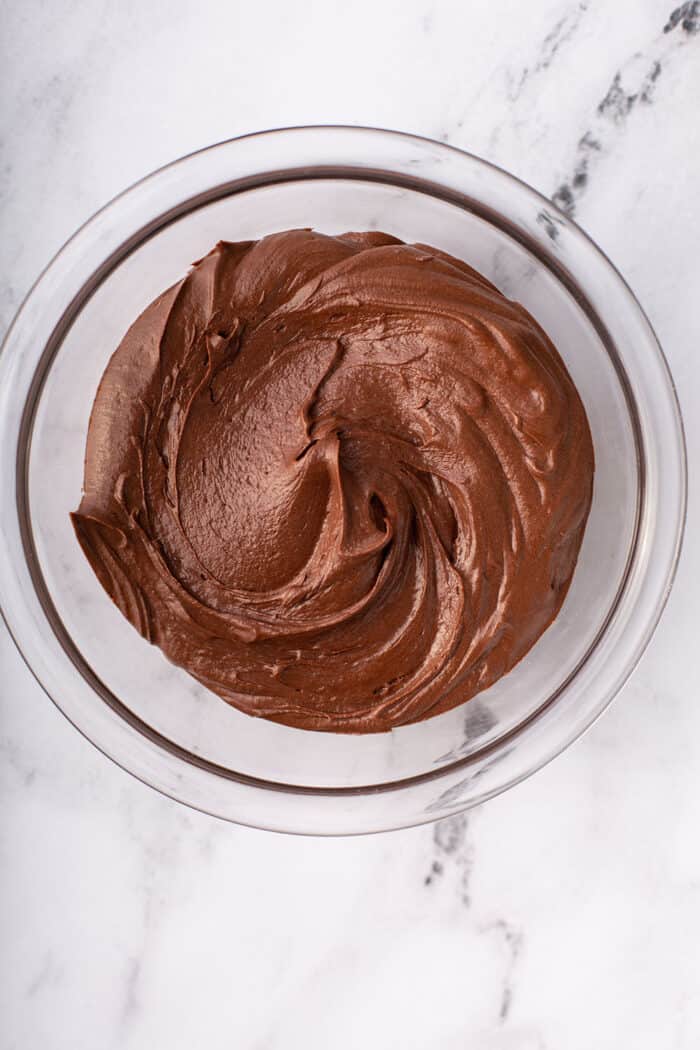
[[341, 480]]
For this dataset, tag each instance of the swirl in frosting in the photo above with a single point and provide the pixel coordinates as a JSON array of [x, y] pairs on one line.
[[342, 481]]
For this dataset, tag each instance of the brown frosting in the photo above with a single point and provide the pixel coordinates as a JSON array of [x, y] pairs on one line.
[[342, 481]]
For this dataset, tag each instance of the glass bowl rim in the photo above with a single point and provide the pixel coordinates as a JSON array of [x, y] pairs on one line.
[[47, 353]]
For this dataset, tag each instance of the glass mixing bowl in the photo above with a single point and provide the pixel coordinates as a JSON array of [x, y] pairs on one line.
[[151, 717]]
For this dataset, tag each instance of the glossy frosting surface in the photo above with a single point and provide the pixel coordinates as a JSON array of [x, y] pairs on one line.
[[342, 481]]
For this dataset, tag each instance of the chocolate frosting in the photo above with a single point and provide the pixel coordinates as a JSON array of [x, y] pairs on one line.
[[342, 481]]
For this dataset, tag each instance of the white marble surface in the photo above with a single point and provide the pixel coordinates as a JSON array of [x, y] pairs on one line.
[[564, 915]]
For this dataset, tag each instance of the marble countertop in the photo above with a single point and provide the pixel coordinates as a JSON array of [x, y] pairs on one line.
[[564, 915]]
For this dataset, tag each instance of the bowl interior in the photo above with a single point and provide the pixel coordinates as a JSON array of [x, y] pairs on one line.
[[137, 677]]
